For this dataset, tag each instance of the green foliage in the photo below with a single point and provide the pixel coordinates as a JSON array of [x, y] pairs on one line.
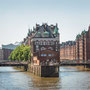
[[21, 53]]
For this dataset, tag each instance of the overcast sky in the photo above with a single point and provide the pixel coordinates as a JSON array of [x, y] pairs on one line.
[[16, 16]]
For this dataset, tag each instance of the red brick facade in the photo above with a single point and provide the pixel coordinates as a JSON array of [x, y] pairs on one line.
[[67, 51], [78, 50], [44, 41], [46, 52], [88, 45]]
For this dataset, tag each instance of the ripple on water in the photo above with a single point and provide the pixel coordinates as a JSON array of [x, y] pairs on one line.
[[70, 79]]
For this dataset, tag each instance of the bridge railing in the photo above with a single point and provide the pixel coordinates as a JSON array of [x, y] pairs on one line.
[[13, 62]]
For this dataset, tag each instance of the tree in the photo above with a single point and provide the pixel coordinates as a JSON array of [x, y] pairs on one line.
[[21, 53]]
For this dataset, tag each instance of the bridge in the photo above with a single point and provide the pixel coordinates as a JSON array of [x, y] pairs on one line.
[[25, 64], [75, 64], [70, 64], [14, 64]]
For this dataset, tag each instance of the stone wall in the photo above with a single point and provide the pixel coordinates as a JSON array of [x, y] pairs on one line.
[[44, 71]]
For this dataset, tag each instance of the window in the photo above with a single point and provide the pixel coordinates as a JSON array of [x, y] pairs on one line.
[[56, 42], [36, 43], [37, 47], [40, 43], [56, 50], [48, 43], [41, 54], [43, 43], [49, 54], [52, 42], [50, 48], [44, 55], [43, 48]]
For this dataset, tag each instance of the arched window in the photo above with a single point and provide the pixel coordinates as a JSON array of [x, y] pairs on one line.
[[44, 43], [56, 42], [48, 43], [37, 42], [43, 48], [37, 47], [41, 43], [50, 48]]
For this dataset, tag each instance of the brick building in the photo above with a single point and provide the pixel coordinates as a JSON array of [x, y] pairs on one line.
[[83, 46], [88, 46], [7, 49], [67, 50], [1, 54], [44, 41], [79, 50], [6, 53]]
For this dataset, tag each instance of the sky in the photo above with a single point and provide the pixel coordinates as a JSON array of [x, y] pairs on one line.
[[16, 16]]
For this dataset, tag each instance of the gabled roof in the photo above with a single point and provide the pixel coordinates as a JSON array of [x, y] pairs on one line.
[[44, 31]]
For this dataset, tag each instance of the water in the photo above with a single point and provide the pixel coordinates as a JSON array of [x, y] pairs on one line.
[[70, 78]]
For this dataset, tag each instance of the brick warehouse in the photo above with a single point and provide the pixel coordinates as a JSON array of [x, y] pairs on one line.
[[6, 51], [78, 50], [45, 51], [67, 50]]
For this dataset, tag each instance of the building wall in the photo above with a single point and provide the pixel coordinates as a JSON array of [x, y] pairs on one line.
[[45, 50], [62, 53], [67, 52], [88, 45], [7, 49], [80, 51], [1, 54], [6, 53], [44, 71], [77, 49], [82, 48]]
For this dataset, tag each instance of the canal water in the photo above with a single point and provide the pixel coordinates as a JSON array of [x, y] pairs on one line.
[[70, 78]]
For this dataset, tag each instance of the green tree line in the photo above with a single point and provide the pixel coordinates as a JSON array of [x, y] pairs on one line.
[[21, 53]]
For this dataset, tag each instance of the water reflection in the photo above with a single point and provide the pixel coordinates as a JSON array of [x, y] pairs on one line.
[[46, 83], [70, 78]]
